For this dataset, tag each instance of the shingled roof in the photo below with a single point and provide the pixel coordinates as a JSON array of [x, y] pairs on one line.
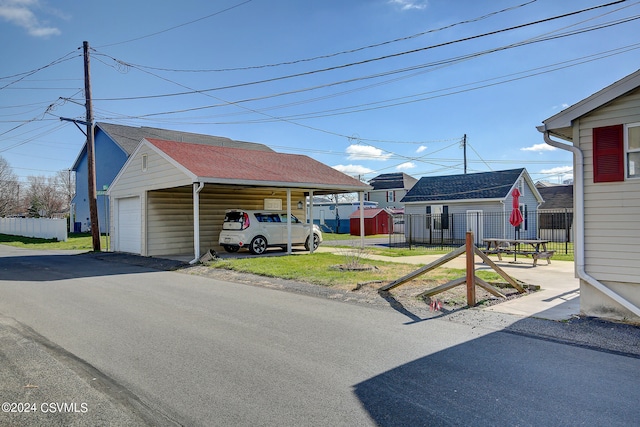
[[128, 137], [473, 186], [557, 197], [389, 181], [206, 163]]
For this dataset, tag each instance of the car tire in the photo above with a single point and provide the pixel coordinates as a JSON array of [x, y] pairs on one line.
[[231, 249], [316, 242], [258, 245]]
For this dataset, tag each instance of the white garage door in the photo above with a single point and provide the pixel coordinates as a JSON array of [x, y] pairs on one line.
[[129, 225]]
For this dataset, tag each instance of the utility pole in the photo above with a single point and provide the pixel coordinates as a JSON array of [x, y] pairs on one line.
[[91, 159], [464, 147]]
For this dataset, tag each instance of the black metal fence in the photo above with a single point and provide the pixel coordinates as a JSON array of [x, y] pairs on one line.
[[440, 231]]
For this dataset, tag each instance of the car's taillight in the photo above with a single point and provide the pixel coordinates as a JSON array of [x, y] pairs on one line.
[[245, 220]]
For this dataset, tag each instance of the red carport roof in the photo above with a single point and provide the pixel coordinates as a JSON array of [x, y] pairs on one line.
[[235, 164]]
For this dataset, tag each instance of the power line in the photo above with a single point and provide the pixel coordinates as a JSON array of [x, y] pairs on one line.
[[344, 52], [21, 76], [362, 62], [177, 26], [393, 102]]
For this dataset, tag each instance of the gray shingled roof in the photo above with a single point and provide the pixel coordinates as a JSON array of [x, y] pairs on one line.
[[557, 197], [389, 181], [128, 137], [483, 185]]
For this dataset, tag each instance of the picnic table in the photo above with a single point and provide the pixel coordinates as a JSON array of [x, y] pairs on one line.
[[536, 248]]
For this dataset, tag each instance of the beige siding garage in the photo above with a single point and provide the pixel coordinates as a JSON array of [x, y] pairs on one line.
[[171, 178]]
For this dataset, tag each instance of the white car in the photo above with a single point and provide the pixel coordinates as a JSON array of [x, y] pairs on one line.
[[259, 230]]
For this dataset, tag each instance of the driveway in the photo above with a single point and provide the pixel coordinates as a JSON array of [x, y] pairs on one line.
[[179, 349]]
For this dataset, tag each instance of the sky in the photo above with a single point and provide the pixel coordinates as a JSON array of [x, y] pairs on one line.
[[365, 86]]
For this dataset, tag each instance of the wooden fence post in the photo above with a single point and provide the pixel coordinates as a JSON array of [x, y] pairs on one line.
[[471, 273]]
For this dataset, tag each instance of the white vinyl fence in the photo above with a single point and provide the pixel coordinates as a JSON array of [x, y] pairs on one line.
[[43, 228]]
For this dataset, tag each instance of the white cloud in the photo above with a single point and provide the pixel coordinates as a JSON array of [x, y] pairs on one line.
[[560, 170], [421, 149], [366, 152], [20, 13], [353, 170], [539, 147], [561, 106], [563, 174], [405, 166], [409, 4]]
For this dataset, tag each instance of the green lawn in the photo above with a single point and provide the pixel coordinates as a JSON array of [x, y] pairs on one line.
[[75, 241], [321, 269]]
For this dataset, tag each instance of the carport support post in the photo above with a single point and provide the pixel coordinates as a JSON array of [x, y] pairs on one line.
[[310, 218], [197, 187], [289, 221], [471, 273]]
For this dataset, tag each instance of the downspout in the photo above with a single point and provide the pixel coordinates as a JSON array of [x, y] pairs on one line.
[[579, 222], [361, 194], [196, 220], [504, 223]]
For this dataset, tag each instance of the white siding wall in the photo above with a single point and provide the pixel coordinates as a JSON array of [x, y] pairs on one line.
[[612, 223], [612, 215], [135, 181], [159, 174]]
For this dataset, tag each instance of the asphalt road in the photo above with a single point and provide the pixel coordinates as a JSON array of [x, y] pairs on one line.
[[140, 346]]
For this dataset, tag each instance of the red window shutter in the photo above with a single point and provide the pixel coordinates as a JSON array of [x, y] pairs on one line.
[[608, 154]]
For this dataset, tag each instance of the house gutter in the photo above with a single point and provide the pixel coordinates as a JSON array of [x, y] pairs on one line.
[[579, 222], [196, 220]]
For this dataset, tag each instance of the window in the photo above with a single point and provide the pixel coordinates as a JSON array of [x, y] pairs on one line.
[[390, 196], [144, 163], [633, 150], [608, 154]]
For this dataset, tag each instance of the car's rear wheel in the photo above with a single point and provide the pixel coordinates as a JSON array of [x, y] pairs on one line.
[[231, 248], [316, 242], [258, 245]]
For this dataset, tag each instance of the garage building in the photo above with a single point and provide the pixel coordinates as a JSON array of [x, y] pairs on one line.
[[170, 197]]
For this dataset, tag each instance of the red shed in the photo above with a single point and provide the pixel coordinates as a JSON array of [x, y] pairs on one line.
[[376, 221]]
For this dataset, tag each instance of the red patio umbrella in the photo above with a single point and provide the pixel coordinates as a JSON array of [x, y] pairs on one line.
[[516, 216]]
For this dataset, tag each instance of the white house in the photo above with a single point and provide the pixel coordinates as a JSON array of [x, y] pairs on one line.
[[389, 189], [603, 133]]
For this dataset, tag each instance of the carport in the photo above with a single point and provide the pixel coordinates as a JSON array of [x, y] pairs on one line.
[[170, 197]]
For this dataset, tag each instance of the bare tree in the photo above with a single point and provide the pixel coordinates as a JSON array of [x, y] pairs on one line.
[[66, 186], [9, 189], [43, 198]]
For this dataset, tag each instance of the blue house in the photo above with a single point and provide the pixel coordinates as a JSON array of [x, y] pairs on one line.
[[444, 208], [113, 146]]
